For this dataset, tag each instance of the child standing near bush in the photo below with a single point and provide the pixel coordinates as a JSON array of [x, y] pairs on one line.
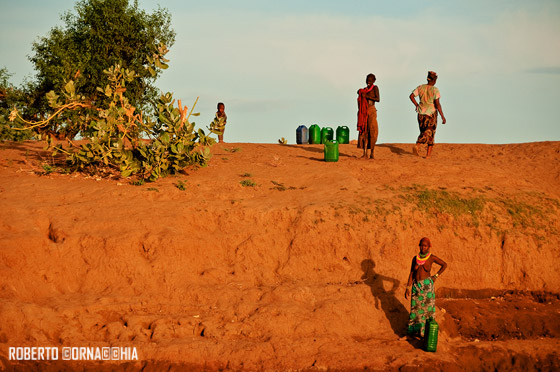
[[218, 125]]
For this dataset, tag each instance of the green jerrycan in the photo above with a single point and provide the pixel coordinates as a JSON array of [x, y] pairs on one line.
[[314, 134], [431, 335], [331, 150]]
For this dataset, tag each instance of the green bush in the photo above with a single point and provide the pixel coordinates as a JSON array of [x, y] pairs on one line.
[[115, 131]]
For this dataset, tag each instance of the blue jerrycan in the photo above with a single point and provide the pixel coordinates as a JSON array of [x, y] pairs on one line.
[[302, 135]]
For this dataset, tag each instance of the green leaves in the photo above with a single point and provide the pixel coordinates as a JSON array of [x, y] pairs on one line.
[[102, 65], [70, 88], [114, 129], [52, 98], [95, 36], [107, 91], [164, 138]]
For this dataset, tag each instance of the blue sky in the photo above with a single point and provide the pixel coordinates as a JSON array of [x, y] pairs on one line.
[[280, 64]]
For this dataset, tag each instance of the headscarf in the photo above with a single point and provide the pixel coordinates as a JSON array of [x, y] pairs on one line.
[[424, 239]]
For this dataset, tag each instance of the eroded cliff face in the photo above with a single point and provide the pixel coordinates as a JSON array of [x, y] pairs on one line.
[[306, 269]]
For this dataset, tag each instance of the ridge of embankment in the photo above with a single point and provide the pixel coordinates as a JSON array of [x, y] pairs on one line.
[[306, 269]]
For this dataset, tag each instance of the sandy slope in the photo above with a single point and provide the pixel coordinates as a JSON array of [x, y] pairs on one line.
[[305, 270]]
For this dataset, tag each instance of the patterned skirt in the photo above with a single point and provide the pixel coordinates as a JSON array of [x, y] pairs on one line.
[[428, 125], [422, 305]]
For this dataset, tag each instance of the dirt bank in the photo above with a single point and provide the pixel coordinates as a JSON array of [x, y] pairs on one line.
[[271, 259]]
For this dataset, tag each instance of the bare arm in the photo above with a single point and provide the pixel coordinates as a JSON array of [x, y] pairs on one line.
[[441, 263], [409, 281], [413, 99], [438, 107]]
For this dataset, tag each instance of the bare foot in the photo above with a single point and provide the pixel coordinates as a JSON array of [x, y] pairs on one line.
[[429, 153]]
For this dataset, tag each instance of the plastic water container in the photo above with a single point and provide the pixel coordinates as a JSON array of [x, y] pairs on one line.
[[327, 134], [331, 150], [431, 335], [343, 134], [314, 134], [302, 135]]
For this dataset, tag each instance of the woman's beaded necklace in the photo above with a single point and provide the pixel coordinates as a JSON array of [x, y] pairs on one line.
[[422, 260]]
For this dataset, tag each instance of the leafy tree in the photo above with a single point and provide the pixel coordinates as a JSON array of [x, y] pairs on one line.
[[11, 96], [99, 35]]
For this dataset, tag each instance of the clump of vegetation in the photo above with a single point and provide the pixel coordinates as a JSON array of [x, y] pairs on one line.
[[528, 215], [47, 168], [233, 149], [181, 185], [113, 132], [282, 141], [51, 168], [430, 200], [280, 186], [248, 183], [532, 213], [449, 202], [246, 175], [138, 182]]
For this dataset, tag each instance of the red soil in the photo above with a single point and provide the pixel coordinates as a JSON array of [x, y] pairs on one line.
[[303, 271]]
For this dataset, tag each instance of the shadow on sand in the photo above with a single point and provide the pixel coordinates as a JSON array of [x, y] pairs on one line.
[[33, 152], [399, 150], [317, 149], [396, 149], [386, 300]]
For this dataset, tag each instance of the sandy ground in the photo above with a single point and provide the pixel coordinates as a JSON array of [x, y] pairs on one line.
[[301, 267]]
